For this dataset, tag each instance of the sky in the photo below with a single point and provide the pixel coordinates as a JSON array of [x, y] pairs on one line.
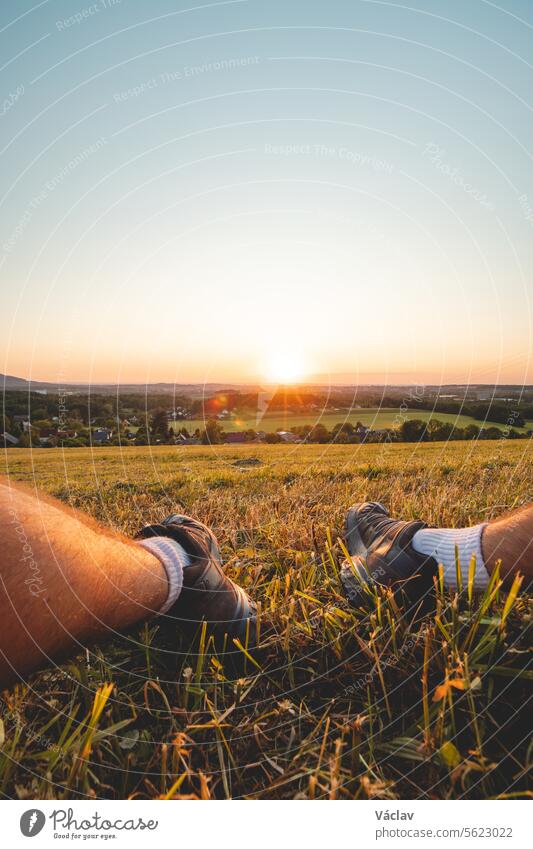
[[250, 190]]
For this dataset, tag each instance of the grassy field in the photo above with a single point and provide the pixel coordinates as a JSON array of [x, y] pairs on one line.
[[374, 417], [333, 703]]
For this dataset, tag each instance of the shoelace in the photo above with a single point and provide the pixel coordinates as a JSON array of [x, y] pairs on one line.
[[379, 526]]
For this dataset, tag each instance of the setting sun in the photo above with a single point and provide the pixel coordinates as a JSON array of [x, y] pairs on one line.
[[284, 367]]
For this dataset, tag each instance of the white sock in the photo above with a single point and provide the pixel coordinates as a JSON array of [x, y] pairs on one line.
[[440, 543], [174, 559]]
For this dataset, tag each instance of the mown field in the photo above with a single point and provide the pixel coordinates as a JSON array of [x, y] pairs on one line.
[[332, 703], [374, 417]]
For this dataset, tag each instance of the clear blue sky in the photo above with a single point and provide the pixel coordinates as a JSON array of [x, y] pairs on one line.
[[230, 190]]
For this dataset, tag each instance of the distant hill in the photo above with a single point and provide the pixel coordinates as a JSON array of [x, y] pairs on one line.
[[7, 381], [11, 383]]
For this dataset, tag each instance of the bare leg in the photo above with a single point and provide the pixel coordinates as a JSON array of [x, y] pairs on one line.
[[510, 539], [65, 580]]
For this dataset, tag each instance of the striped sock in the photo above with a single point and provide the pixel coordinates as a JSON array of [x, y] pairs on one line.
[[441, 544]]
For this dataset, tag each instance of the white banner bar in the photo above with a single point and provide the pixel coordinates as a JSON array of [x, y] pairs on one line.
[[225, 825]]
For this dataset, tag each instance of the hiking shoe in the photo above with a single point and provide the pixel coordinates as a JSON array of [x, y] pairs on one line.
[[207, 593], [381, 552]]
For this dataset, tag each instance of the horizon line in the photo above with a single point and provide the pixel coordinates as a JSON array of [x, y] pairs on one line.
[[256, 382]]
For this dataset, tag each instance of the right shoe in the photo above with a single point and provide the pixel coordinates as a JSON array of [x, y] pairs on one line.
[[207, 593], [381, 552]]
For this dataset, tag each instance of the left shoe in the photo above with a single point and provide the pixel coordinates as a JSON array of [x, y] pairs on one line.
[[381, 552], [207, 593]]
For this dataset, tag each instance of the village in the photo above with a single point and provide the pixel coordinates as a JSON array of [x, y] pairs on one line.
[[170, 428], [73, 419]]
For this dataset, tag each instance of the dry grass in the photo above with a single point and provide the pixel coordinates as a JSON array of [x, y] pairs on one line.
[[334, 703]]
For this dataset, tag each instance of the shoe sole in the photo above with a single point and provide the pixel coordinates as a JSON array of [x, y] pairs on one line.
[[354, 576]]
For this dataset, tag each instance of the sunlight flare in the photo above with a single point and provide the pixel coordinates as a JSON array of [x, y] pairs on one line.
[[285, 366]]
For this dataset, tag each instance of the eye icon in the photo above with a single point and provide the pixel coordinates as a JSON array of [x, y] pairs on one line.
[[32, 822]]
